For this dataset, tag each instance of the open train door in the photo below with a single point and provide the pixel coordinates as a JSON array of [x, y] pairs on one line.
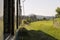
[[9, 10], [9, 15]]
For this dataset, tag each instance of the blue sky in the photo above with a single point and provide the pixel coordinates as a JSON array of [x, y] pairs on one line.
[[38, 7]]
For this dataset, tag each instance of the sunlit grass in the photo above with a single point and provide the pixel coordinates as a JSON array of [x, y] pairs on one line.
[[45, 26]]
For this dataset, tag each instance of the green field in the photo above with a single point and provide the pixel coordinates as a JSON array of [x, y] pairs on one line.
[[39, 30], [46, 27]]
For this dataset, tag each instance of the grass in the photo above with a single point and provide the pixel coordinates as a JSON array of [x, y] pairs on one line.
[[58, 19], [45, 26]]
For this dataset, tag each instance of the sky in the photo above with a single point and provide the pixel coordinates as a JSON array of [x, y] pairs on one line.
[[38, 7], [41, 7]]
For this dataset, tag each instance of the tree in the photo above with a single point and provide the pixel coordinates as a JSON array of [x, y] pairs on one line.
[[58, 12], [44, 18], [33, 17], [28, 19]]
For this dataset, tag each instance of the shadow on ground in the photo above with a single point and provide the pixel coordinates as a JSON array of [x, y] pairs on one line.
[[24, 34]]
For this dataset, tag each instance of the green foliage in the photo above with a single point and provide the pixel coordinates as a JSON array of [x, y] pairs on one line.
[[33, 18], [57, 15], [28, 20], [58, 12], [44, 18]]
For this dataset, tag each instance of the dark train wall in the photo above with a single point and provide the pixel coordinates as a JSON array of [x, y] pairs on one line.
[[9, 16]]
